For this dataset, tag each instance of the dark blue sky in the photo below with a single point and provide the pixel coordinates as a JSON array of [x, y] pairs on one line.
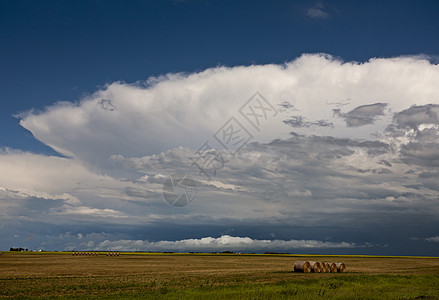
[[61, 50]]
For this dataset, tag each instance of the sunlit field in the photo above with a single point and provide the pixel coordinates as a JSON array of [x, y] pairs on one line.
[[213, 276]]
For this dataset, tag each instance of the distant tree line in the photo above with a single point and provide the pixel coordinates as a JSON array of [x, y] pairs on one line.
[[18, 249]]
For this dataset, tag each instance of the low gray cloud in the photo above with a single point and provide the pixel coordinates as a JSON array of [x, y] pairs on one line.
[[362, 115], [140, 193], [418, 115], [299, 121], [385, 163], [421, 154], [433, 239]]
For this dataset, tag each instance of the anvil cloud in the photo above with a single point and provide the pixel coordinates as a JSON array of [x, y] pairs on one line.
[[351, 152]]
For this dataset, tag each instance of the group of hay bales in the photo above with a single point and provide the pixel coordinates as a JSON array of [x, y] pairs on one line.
[[319, 267], [94, 253]]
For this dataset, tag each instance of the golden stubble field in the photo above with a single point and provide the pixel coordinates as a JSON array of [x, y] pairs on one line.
[[61, 274]]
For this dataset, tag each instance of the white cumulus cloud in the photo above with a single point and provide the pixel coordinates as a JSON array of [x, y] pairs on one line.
[[433, 239], [222, 243]]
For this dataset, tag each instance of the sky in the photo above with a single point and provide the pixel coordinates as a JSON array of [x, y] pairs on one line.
[[247, 126]]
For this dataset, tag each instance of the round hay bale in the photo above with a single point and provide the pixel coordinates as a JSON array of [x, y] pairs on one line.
[[328, 267], [315, 267], [333, 267], [302, 266], [323, 267], [341, 267]]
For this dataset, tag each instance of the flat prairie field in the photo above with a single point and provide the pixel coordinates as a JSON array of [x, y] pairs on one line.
[[212, 276]]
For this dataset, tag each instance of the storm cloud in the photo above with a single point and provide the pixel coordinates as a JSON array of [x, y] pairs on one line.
[[362, 115], [319, 172]]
